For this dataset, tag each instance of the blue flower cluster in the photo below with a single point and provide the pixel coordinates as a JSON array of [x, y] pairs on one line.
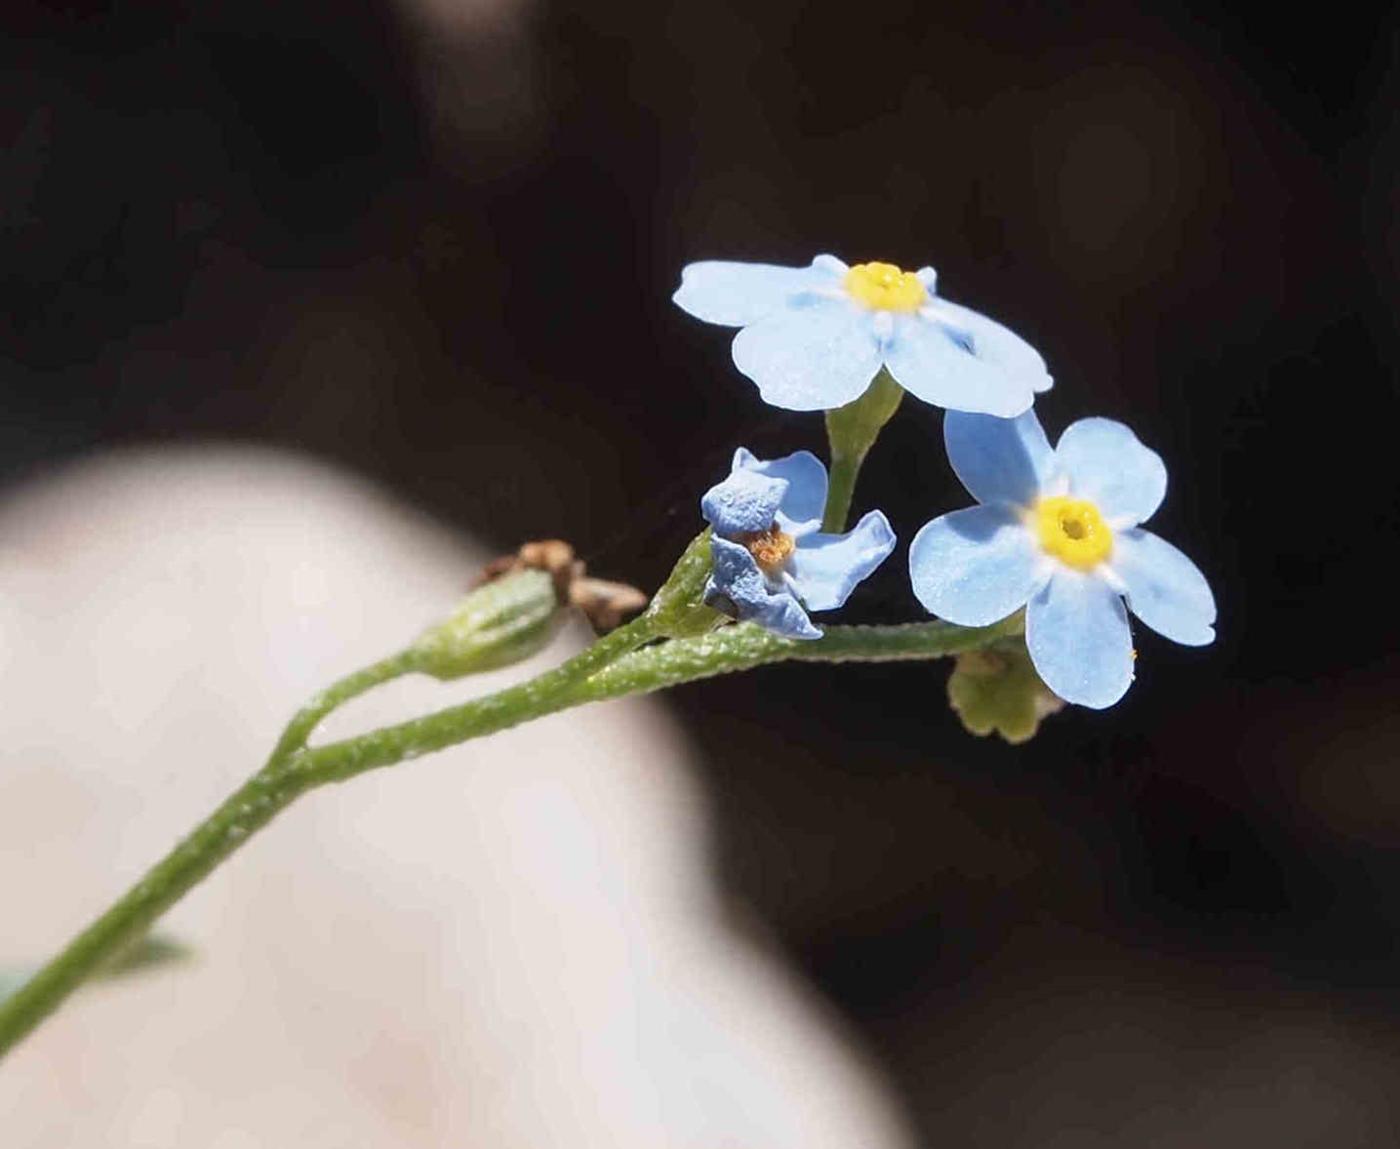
[[1056, 530]]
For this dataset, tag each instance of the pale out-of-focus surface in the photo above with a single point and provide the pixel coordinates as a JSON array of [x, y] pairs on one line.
[[514, 943]]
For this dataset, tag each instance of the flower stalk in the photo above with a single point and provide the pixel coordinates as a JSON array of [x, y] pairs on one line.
[[627, 661], [851, 431]]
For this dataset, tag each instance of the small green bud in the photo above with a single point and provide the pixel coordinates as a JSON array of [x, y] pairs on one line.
[[1000, 690], [498, 624]]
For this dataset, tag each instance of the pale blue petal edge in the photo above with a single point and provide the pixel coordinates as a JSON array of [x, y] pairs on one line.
[[826, 568], [1108, 465], [735, 294], [800, 511], [999, 460], [1078, 637], [975, 566], [995, 343], [928, 360], [1164, 588]]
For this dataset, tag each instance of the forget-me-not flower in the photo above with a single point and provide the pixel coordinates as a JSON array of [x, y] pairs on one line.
[[772, 563], [1057, 532], [814, 337]]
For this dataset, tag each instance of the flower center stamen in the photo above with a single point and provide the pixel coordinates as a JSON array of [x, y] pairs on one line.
[[1073, 531], [771, 549], [884, 287]]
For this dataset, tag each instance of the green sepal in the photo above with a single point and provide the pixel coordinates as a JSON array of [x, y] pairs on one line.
[[678, 607], [998, 690]]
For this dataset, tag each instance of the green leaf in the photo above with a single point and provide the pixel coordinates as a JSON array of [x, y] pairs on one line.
[[154, 951], [144, 956]]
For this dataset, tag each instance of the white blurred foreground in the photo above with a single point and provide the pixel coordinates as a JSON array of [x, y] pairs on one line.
[[511, 944]]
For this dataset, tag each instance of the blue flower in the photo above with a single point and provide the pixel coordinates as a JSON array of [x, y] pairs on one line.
[[772, 563], [814, 337], [1057, 532]]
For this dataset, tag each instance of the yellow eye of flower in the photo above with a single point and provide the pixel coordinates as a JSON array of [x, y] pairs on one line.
[[1073, 531], [771, 549], [884, 287]]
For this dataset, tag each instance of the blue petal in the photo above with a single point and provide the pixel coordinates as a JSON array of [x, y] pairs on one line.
[[735, 577], [995, 344], [999, 460], [746, 501], [737, 294], [975, 566], [800, 512], [826, 568], [929, 361], [1107, 464], [815, 355], [737, 587], [1077, 634], [1165, 589]]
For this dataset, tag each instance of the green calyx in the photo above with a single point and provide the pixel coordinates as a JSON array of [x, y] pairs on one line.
[[997, 689]]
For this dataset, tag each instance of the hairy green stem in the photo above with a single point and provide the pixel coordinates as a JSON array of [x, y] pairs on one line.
[[281, 780], [734, 648], [306, 719], [244, 812], [247, 810], [614, 666]]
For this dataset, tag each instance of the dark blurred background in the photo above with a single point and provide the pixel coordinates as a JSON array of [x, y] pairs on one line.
[[434, 241]]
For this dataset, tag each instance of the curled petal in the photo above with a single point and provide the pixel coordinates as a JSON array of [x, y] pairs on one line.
[[1107, 464], [744, 502], [815, 355], [738, 588], [994, 344], [975, 566], [826, 568], [1078, 637], [801, 508], [1164, 588], [930, 361], [736, 294], [999, 460]]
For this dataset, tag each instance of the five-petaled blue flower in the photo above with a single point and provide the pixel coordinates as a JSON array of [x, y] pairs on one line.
[[1057, 532], [814, 337], [772, 563]]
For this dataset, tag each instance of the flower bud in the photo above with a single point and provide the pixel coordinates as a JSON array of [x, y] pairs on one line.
[[498, 624]]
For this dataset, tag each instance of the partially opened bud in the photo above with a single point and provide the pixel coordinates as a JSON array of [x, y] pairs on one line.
[[499, 623]]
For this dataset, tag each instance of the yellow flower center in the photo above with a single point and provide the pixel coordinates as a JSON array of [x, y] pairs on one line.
[[771, 549], [884, 287], [1072, 530]]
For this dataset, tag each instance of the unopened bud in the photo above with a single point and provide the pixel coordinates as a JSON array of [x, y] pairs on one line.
[[498, 624]]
